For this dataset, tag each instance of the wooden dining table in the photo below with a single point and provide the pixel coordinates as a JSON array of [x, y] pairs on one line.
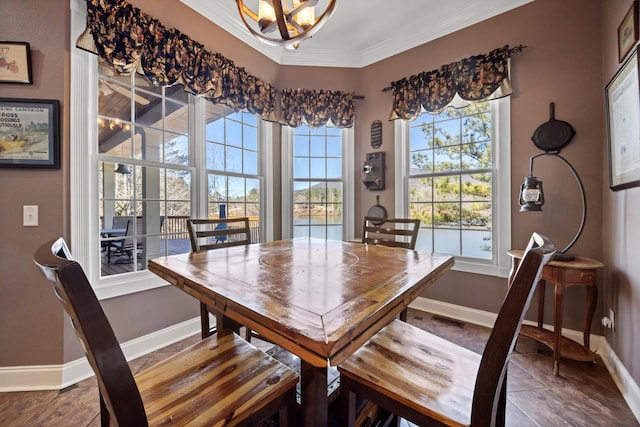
[[318, 299]]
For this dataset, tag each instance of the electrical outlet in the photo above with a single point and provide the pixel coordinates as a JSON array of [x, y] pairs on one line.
[[612, 317], [610, 322]]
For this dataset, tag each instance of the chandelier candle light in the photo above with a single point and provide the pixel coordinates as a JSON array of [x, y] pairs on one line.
[[294, 20]]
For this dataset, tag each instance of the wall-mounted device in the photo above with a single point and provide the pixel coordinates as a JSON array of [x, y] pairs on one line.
[[373, 170]]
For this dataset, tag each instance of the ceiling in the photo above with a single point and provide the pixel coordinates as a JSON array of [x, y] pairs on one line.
[[361, 32]]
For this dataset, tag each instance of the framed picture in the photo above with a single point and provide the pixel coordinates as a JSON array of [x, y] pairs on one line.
[[29, 133], [623, 126], [15, 62]]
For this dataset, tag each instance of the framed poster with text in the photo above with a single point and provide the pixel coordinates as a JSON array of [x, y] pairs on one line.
[[29, 133]]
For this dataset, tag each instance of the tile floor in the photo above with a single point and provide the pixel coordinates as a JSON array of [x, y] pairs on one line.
[[582, 395]]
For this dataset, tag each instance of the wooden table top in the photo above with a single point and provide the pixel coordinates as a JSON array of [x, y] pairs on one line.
[[317, 298]]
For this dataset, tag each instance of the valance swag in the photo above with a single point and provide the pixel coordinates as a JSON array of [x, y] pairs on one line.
[[477, 78], [317, 108], [132, 41]]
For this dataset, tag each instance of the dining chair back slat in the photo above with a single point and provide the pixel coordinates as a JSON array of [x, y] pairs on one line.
[[215, 233], [395, 232]]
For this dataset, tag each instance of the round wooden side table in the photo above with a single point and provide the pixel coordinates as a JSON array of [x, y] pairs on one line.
[[580, 271]]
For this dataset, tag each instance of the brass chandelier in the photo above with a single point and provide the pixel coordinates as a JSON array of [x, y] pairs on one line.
[[291, 21]]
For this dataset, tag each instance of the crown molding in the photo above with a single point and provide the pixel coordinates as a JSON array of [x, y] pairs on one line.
[[224, 13]]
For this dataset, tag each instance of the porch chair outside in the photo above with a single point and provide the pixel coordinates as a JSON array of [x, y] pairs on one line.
[[195, 386], [217, 233], [428, 380], [120, 222]]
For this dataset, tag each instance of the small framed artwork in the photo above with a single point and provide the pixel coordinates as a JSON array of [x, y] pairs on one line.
[[628, 31], [29, 133], [623, 126], [15, 62]]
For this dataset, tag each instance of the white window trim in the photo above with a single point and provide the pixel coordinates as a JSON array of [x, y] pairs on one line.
[[84, 175], [501, 137], [348, 194]]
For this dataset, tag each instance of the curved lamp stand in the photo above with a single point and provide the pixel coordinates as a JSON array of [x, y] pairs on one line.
[[530, 205]]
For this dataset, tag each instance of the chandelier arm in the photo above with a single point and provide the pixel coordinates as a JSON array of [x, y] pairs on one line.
[[291, 21], [280, 18], [303, 5]]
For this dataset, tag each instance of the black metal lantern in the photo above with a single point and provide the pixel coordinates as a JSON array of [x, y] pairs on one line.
[[531, 195]]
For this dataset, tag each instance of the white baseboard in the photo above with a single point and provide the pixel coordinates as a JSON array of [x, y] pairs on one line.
[[628, 387], [56, 377]]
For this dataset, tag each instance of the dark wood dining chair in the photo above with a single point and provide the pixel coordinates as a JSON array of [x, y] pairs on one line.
[[216, 233], [221, 380], [428, 380], [384, 231]]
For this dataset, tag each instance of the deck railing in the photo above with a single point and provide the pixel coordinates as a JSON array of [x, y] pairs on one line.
[[176, 227]]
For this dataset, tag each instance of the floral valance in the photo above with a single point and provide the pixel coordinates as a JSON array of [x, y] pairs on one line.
[[476, 78], [317, 108], [132, 41]]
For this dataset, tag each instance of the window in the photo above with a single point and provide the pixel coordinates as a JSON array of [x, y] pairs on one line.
[[143, 159], [453, 174], [139, 168], [233, 167], [317, 189]]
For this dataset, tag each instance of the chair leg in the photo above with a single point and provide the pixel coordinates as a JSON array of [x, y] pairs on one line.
[[247, 334], [501, 412], [403, 315], [105, 418], [287, 414], [346, 404], [204, 321]]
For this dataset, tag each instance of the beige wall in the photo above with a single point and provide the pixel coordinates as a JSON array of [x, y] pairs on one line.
[[31, 331], [562, 64], [621, 228]]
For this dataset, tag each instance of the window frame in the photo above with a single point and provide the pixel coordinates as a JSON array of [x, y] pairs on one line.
[[84, 191], [500, 263], [348, 195], [83, 171], [265, 173]]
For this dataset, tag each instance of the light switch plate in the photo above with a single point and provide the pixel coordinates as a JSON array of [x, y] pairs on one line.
[[30, 216]]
